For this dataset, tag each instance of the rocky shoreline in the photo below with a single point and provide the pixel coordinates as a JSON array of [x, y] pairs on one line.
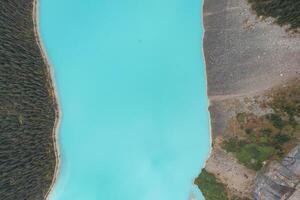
[[248, 60], [29, 110]]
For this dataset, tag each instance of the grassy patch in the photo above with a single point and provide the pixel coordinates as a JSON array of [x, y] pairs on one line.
[[269, 136], [211, 188], [285, 12], [251, 155], [257, 147]]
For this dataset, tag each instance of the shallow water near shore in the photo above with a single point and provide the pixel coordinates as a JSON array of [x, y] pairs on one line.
[[131, 84]]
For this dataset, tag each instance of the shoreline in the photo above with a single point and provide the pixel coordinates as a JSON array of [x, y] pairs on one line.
[[207, 96], [53, 93], [206, 87], [240, 80]]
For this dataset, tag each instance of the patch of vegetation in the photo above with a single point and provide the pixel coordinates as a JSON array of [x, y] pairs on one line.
[[234, 145], [285, 12], [241, 117], [269, 136], [27, 107], [211, 188], [276, 120], [259, 143], [286, 102], [281, 138], [266, 131], [251, 155]]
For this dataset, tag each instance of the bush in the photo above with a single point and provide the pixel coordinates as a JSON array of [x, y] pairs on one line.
[[281, 138], [253, 155], [248, 131], [241, 118], [210, 187], [276, 120], [233, 144]]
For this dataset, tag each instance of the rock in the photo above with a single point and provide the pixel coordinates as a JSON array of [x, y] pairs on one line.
[[292, 161], [237, 178], [296, 195], [279, 180]]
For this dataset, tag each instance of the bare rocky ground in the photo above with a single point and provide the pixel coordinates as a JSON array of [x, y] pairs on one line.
[[226, 168], [246, 58], [244, 54], [280, 180]]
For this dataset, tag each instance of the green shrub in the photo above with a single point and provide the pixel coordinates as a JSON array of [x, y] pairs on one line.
[[253, 155], [241, 118], [211, 188], [264, 139], [233, 144], [276, 120], [248, 131], [281, 138]]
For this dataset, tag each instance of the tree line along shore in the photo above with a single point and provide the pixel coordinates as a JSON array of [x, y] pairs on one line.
[[27, 107]]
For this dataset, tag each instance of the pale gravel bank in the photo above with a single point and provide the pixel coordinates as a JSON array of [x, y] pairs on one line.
[[245, 57]]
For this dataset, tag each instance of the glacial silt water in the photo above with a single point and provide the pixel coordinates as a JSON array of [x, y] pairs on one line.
[[131, 84]]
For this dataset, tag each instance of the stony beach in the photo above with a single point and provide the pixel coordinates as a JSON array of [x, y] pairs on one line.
[[248, 58]]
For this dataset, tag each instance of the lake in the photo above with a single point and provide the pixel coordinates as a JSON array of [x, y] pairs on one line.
[[131, 83]]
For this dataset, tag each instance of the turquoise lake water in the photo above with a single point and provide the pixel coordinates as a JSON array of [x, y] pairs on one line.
[[131, 84]]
